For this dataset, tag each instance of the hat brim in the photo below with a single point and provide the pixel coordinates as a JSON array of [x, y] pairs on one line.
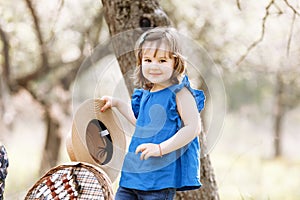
[[77, 144]]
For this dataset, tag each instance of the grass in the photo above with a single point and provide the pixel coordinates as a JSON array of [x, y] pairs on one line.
[[244, 166], [249, 178]]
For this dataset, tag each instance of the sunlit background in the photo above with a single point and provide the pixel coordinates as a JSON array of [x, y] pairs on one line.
[[254, 44]]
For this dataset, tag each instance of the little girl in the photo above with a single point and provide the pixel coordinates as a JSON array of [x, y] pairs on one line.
[[164, 153]]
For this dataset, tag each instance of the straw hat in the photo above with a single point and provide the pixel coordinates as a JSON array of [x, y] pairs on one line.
[[97, 138]]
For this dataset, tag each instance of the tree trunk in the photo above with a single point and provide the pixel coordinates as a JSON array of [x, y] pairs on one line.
[[137, 16], [209, 189], [5, 103], [278, 115], [52, 142]]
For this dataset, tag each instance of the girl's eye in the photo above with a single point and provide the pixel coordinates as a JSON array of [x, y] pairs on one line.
[[162, 61], [147, 60]]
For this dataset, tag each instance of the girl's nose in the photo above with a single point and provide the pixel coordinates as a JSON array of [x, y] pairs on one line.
[[154, 66]]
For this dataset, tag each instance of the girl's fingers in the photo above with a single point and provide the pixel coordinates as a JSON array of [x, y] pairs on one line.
[[146, 155], [142, 155], [107, 103], [105, 107], [140, 148], [145, 150]]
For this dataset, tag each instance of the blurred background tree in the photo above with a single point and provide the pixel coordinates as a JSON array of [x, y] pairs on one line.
[[255, 44], [36, 61]]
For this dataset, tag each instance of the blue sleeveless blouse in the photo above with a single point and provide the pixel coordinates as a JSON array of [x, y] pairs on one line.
[[157, 121]]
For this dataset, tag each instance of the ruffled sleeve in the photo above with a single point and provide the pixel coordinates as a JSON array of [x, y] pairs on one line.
[[200, 99], [198, 94], [135, 101]]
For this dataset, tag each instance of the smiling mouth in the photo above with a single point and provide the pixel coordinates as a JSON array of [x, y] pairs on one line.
[[155, 74]]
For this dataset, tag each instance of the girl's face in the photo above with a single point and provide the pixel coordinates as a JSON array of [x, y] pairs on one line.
[[157, 65]]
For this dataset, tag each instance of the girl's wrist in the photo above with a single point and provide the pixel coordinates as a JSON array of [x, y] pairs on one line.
[[160, 151], [115, 102]]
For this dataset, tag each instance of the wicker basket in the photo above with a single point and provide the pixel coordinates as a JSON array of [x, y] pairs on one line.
[[93, 182]]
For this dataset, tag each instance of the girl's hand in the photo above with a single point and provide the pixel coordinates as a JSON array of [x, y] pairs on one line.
[[123, 107], [108, 103], [148, 150]]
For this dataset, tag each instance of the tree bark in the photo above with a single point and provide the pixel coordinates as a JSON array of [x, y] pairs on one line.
[[124, 15], [278, 115], [209, 189], [136, 16], [5, 74], [6, 61], [53, 141]]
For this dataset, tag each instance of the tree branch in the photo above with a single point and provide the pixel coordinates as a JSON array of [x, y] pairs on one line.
[[99, 52], [6, 62], [98, 20], [238, 4], [256, 42], [291, 7], [44, 64], [278, 8], [55, 19], [290, 35]]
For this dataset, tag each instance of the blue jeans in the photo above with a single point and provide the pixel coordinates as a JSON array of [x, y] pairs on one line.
[[132, 194]]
